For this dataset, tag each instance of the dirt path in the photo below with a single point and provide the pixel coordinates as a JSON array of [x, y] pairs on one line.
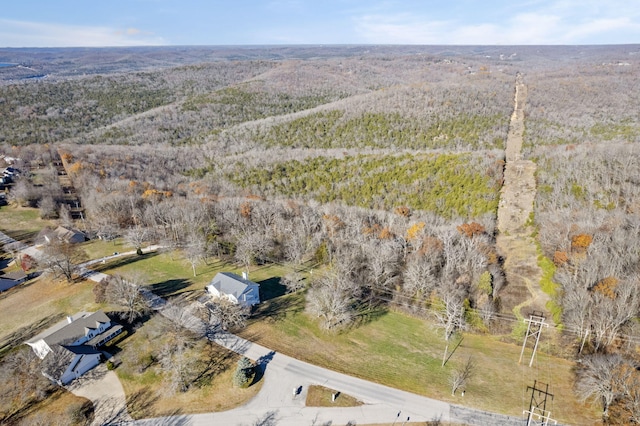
[[514, 242]]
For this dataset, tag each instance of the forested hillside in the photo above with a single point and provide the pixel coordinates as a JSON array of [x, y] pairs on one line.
[[383, 166]]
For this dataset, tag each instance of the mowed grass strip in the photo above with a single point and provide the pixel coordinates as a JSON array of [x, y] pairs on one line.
[[404, 352], [319, 396]]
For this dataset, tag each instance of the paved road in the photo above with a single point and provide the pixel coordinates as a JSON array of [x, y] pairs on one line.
[[276, 403]]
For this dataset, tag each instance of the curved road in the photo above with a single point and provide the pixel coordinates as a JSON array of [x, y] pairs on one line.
[[277, 404]]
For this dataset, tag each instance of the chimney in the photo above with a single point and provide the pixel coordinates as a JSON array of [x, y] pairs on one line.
[[245, 276], [69, 319]]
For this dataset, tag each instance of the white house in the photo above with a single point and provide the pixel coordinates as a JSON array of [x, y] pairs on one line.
[[234, 288], [81, 335]]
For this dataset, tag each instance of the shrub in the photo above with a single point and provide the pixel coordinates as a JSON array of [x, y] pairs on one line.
[[581, 242], [244, 374], [484, 283], [471, 229], [560, 258]]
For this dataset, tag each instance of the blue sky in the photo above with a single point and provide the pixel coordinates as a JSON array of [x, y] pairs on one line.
[[61, 23]]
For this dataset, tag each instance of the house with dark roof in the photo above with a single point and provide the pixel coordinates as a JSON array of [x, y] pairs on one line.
[[12, 279], [234, 288], [81, 335]]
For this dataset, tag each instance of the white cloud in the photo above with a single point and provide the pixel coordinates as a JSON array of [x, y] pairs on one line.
[[545, 26], [39, 34]]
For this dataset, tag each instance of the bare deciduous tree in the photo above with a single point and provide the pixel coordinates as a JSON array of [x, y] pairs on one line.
[[450, 316], [330, 301], [227, 315], [461, 375], [62, 258], [56, 362], [597, 379], [125, 292], [294, 281], [194, 250]]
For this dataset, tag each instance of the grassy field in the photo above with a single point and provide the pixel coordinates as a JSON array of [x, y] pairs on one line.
[[96, 249], [169, 274], [22, 224], [58, 409], [404, 352]]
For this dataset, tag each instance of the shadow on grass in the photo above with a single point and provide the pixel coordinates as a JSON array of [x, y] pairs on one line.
[[26, 237], [169, 287], [113, 346], [454, 350], [278, 308], [122, 261], [369, 313], [271, 288], [139, 403], [216, 362]]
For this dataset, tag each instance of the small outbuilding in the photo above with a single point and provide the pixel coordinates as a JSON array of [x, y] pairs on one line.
[[236, 289]]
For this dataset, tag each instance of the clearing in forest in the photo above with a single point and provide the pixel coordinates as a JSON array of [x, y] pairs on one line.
[[515, 242]]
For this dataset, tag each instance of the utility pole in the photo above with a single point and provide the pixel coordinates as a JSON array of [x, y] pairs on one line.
[[534, 329], [538, 415]]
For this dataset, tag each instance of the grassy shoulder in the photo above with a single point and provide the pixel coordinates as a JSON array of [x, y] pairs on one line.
[[406, 353], [319, 396]]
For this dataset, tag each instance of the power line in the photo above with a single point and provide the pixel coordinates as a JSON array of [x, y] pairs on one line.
[[393, 296]]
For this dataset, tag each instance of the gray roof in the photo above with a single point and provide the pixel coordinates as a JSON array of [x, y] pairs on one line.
[[67, 234], [17, 275], [65, 332], [229, 283]]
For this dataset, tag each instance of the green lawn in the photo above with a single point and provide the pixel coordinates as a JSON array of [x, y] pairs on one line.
[[170, 274], [96, 249], [405, 352], [22, 224]]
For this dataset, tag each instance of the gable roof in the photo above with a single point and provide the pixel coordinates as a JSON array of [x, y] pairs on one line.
[[69, 235], [229, 283], [16, 276], [65, 331]]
